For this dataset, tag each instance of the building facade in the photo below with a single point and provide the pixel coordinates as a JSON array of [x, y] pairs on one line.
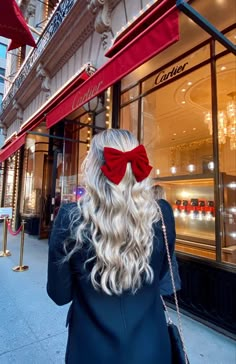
[[3, 57], [97, 67]]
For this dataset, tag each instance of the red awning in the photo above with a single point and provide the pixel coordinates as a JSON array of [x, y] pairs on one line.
[[139, 25], [159, 35], [14, 26], [40, 116], [12, 147]]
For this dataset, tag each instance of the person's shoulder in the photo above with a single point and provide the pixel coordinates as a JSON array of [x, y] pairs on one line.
[[164, 205], [67, 208], [167, 212]]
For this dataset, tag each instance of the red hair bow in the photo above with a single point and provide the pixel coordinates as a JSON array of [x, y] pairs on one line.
[[116, 163]]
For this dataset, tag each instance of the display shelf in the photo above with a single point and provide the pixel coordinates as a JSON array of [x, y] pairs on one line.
[[192, 200]]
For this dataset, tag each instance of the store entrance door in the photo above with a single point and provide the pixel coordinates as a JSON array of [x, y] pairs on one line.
[[46, 199]]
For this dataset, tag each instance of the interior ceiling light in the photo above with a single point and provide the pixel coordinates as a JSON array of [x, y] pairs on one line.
[[226, 122]]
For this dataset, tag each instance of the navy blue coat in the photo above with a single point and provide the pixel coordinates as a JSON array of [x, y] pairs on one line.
[[103, 329]]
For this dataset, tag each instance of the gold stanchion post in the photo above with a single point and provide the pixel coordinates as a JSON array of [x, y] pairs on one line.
[[21, 267], [5, 252]]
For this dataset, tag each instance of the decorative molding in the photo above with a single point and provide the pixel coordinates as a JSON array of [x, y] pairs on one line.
[[102, 11], [75, 46], [19, 111], [43, 75]]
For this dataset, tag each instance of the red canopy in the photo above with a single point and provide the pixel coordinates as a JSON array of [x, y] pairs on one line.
[[12, 147], [163, 32], [13, 25]]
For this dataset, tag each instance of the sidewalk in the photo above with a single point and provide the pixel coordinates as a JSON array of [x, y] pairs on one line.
[[32, 327]]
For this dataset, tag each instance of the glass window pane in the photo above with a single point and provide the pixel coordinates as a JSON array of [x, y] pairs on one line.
[[179, 143], [231, 36], [130, 95], [34, 177], [176, 69], [129, 117], [226, 87], [10, 176]]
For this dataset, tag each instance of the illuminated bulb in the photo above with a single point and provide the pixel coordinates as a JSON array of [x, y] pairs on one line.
[[232, 185], [189, 83], [173, 169], [211, 166], [191, 168], [157, 172]]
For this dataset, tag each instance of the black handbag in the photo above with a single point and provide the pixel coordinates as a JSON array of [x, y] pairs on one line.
[[179, 354]]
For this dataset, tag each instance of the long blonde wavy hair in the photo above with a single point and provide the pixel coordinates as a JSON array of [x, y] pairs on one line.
[[119, 218]]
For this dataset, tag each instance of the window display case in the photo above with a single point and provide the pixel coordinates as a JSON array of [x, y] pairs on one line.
[[192, 200]]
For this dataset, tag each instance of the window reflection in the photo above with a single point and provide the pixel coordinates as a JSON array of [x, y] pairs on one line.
[[226, 86]]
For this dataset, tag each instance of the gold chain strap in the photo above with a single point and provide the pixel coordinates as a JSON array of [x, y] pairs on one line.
[[174, 288]]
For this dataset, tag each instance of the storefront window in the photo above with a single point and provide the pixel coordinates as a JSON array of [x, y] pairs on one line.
[[129, 95], [226, 87], [231, 35], [129, 117], [167, 74], [179, 144], [35, 175], [10, 176], [69, 177], [78, 134]]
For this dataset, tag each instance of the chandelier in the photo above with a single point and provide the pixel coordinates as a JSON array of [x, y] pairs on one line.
[[226, 122]]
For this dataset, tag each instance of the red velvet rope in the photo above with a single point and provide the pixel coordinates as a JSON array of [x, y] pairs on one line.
[[11, 231]]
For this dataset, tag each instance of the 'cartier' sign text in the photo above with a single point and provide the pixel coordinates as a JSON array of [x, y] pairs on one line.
[[164, 76]]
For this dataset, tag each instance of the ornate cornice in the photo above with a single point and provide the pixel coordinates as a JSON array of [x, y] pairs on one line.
[[43, 75], [102, 11]]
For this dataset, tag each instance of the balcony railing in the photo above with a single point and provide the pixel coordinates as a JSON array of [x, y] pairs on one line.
[[59, 15]]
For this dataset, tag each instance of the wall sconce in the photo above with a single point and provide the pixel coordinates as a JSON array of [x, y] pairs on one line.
[[92, 105]]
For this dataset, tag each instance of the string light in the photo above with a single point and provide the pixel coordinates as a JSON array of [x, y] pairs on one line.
[[130, 21], [88, 136], [108, 111]]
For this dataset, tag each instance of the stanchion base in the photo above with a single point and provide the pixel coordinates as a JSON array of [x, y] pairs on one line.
[[7, 253], [20, 268]]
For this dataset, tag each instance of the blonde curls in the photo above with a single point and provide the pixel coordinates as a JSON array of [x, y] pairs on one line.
[[119, 218]]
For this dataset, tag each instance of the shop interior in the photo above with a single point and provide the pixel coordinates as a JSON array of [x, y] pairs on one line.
[[167, 103]]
